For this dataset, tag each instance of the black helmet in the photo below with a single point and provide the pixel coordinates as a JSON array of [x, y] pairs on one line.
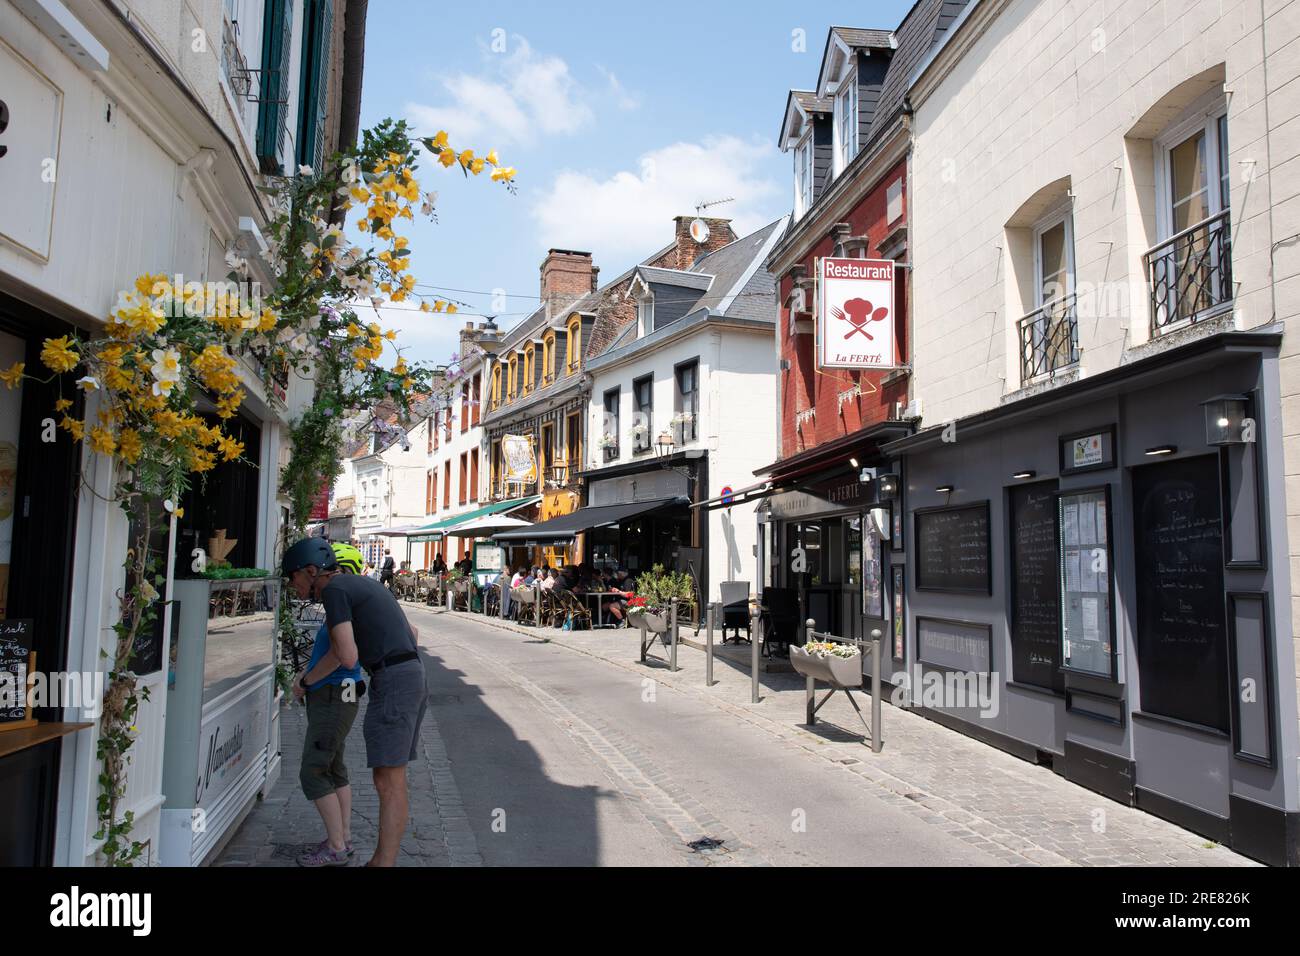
[[315, 551]]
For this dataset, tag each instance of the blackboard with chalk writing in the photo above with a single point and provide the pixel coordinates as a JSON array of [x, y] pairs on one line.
[[15, 665], [952, 549], [1182, 643], [1035, 590]]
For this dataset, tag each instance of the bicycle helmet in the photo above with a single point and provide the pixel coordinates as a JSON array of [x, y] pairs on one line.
[[315, 551], [349, 558]]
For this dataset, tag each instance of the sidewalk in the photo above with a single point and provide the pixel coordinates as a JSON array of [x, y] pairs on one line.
[[1020, 812], [285, 825]]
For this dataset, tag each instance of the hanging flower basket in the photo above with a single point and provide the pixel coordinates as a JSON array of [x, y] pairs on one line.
[[832, 663]]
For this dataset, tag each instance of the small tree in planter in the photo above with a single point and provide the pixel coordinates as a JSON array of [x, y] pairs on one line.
[[656, 590]]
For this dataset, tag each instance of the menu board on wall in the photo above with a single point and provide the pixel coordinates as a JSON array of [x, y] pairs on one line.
[[1035, 590], [1182, 645], [952, 549], [1087, 641], [15, 668]]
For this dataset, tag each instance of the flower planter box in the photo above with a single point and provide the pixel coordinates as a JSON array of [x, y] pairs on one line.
[[839, 672], [657, 623]]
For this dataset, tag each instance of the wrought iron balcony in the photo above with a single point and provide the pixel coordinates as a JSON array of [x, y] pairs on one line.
[[1049, 339], [1190, 273]]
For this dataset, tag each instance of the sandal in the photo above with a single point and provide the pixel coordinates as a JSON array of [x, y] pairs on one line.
[[323, 856]]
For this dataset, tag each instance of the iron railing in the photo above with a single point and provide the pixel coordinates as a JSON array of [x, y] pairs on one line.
[[1049, 339], [1190, 273]]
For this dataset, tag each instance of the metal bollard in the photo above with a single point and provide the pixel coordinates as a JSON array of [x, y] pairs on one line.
[[451, 600], [877, 738], [712, 617], [755, 642], [672, 630], [810, 685]]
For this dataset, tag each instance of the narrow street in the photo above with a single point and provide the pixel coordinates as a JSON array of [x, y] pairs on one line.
[[569, 752]]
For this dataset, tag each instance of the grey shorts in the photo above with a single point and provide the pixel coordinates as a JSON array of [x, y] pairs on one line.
[[394, 711]]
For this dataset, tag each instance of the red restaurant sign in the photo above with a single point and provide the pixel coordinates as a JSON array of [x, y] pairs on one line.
[[320, 506], [855, 313]]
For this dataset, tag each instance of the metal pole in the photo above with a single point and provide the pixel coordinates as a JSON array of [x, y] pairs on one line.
[[810, 685], [755, 641], [672, 626], [877, 739], [708, 647]]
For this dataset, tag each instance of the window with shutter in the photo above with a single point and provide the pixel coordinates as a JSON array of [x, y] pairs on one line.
[[318, 26], [273, 91]]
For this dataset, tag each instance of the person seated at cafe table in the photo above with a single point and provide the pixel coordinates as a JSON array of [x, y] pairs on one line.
[[558, 582], [518, 579]]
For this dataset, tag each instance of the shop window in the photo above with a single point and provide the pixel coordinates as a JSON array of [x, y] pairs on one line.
[[643, 413], [686, 402]]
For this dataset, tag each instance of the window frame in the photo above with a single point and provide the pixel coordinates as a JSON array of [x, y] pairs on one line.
[[679, 398], [574, 351], [1202, 116], [803, 174], [647, 410], [496, 385], [1061, 214], [846, 119], [530, 368], [512, 376], [548, 357]]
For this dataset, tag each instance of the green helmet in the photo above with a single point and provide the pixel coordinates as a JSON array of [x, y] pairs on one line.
[[349, 558]]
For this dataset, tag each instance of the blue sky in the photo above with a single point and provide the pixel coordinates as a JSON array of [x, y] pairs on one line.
[[617, 117]]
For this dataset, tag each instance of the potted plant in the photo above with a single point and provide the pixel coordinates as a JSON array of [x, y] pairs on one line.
[[609, 445], [640, 435], [839, 665], [683, 425], [457, 580], [657, 590]]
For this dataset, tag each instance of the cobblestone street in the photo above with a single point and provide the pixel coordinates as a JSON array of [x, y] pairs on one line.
[[553, 747]]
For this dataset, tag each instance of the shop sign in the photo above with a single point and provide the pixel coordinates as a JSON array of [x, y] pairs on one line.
[[31, 114], [229, 741], [520, 462], [855, 313]]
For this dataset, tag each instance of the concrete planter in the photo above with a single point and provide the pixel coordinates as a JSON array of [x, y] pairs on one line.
[[839, 672], [648, 620]]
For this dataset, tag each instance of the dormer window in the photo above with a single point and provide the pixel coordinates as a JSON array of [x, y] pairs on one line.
[[512, 377], [530, 353], [803, 177], [548, 358], [645, 314], [496, 384], [846, 121], [575, 343]]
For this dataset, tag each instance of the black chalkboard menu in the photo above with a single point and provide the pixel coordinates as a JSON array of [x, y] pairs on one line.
[[1035, 590], [1182, 644], [952, 549], [15, 664]]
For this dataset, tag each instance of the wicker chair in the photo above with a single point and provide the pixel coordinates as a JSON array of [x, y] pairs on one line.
[[574, 609], [491, 597], [526, 605]]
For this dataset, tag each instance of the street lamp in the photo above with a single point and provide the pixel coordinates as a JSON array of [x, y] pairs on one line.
[[664, 445]]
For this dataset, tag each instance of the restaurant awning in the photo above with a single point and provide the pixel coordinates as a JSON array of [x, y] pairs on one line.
[[741, 496], [485, 526], [566, 527], [436, 531]]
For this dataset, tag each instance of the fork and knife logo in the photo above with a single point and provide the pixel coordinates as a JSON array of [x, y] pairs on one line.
[[858, 312]]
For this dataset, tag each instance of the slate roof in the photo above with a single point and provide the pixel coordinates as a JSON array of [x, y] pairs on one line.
[[690, 278], [729, 266], [854, 37], [923, 27]]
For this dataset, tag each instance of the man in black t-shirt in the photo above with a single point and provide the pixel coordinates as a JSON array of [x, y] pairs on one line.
[[386, 574], [367, 625]]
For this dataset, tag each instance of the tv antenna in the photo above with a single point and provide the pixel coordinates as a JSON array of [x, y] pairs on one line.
[[700, 207], [699, 228]]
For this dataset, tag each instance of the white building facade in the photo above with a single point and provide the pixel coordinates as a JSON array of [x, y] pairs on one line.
[[141, 142]]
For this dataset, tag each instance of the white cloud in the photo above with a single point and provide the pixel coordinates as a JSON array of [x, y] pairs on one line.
[[520, 95], [623, 99], [627, 213]]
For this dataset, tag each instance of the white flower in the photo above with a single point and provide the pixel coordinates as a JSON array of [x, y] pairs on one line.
[[166, 370], [300, 342], [88, 382], [148, 592], [309, 249], [306, 171]]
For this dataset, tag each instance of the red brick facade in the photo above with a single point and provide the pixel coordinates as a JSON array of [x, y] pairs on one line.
[[804, 386]]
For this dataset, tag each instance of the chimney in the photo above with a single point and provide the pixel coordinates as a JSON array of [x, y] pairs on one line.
[[595, 278], [687, 250], [468, 336], [567, 275]]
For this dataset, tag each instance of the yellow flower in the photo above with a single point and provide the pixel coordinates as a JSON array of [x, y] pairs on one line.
[[391, 335], [354, 330], [447, 158], [492, 157], [441, 138], [101, 440], [58, 355], [62, 404], [13, 375], [476, 166], [180, 513], [230, 448], [407, 382], [74, 426], [129, 445], [168, 423], [466, 157], [363, 224], [360, 365]]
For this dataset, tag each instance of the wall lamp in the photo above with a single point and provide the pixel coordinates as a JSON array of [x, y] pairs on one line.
[[1026, 473], [887, 490], [944, 489], [1224, 417], [1161, 450]]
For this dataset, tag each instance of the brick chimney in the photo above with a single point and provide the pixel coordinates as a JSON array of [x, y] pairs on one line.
[[567, 275], [686, 250]]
